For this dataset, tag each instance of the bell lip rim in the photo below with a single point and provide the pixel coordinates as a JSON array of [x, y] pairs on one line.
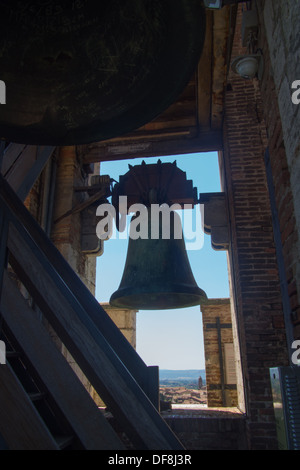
[[156, 307], [199, 295]]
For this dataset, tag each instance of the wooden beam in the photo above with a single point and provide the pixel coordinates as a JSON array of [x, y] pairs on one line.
[[97, 197], [22, 165], [60, 381], [204, 77], [221, 34], [209, 141], [17, 161], [20, 424], [3, 245], [42, 156], [11, 154], [87, 345], [2, 147], [132, 361]]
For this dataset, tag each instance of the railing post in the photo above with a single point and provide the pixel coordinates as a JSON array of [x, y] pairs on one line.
[[153, 386]]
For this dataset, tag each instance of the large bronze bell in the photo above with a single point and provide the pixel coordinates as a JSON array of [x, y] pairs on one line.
[[81, 71], [157, 273]]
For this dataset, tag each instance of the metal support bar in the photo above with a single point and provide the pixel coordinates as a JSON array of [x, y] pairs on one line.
[[2, 147], [83, 205], [4, 223], [153, 385], [43, 156]]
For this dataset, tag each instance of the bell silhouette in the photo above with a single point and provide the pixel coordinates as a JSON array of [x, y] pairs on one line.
[[157, 273], [78, 72]]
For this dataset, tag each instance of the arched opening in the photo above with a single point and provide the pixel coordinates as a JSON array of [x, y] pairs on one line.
[[172, 339]]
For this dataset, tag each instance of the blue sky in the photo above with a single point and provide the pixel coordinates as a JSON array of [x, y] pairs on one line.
[[171, 339]]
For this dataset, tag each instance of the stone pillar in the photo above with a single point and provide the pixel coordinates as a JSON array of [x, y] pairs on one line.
[[220, 361], [125, 320]]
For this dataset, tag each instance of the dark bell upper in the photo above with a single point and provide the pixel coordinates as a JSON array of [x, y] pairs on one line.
[[85, 71]]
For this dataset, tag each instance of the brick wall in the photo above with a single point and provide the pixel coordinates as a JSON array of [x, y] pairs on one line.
[[208, 430], [252, 256], [279, 41]]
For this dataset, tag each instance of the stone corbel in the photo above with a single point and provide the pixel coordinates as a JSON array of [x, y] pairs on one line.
[[216, 219]]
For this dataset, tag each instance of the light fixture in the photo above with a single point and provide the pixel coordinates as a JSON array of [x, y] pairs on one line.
[[251, 64], [213, 4], [218, 4], [248, 66]]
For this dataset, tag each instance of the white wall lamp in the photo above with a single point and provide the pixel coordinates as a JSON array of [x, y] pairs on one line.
[[251, 64], [213, 4], [218, 4]]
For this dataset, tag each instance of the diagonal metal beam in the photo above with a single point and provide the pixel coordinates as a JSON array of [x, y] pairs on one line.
[[43, 155], [2, 147], [23, 164]]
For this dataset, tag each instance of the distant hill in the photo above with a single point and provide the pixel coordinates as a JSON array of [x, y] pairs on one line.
[[181, 374], [167, 376]]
